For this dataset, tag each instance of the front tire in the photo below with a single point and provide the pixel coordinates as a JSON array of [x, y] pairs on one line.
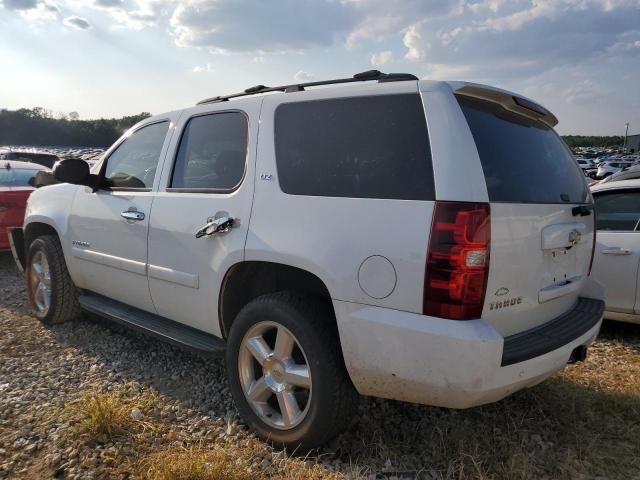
[[286, 371], [51, 292]]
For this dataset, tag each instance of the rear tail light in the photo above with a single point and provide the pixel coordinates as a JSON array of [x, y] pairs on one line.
[[458, 261], [593, 244]]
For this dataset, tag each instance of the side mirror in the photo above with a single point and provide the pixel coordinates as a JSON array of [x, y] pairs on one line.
[[72, 170]]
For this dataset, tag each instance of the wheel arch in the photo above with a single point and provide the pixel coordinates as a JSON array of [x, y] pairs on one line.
[[247, 280], [36, 229]]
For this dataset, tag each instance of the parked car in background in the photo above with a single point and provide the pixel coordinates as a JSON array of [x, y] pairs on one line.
[[44, 159], [587, 166], [14, 191], [336, 247], [609, 168], [629, 173], [617, 254]]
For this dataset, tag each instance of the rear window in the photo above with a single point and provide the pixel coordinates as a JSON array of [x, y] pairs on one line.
[[16, 177], [524, 161], [359, 147]]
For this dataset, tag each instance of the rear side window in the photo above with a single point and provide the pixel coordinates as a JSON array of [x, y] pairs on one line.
[[16, 177], [360, 147], [524, 161], [619, 211], [212, 153]]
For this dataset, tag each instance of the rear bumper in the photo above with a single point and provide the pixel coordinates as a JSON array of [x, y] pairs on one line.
[[455, 364]]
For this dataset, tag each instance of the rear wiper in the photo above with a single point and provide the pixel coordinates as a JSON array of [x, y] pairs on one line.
[[581, 210]]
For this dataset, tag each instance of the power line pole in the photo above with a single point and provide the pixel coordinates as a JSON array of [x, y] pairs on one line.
[[626, 133]]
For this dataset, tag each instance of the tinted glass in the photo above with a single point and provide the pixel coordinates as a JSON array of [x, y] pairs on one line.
[[363, 147], [16, 177], [212, 152], [524, 161], [134, 163], [617, 211]]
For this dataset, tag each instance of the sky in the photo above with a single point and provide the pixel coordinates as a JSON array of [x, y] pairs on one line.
[[109, 58]]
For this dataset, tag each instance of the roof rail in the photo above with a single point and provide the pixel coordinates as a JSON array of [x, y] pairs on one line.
[[297, 87]]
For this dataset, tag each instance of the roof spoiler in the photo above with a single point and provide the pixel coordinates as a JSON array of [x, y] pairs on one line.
[[509, 101]]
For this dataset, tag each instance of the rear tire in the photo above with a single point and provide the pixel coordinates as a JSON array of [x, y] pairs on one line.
[[300, 399], [52, 294]]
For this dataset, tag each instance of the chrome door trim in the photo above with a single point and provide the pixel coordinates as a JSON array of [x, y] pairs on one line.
[[119, 263], [166, 274]]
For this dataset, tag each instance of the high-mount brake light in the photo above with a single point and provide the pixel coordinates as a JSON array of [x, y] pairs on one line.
[[529, 105], [458, 261]]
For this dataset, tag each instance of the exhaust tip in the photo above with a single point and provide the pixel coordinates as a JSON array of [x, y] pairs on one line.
[[579, 354]]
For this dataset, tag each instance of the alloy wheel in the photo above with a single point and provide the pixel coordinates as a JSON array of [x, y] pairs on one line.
[[40, 282], [275, 375]]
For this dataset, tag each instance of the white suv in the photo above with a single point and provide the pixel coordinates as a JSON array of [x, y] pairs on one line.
[[384, 237]]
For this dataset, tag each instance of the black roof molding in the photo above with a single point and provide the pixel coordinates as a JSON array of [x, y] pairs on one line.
[[367, 76]]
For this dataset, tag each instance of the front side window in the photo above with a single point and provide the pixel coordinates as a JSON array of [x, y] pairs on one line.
[[212, 153], [134, 163], [16, 177], [619, 211], [358, 147]]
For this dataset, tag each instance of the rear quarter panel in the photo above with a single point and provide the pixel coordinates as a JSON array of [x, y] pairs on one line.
[[331, 237]]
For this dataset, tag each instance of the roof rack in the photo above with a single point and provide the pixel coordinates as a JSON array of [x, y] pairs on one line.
[[298, 87]]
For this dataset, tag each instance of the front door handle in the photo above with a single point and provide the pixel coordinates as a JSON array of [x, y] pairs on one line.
[[617, 251], [132, 215]]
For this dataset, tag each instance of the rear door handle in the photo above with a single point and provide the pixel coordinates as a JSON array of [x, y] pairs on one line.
[[617, 251], [132, 215], [215, 226]]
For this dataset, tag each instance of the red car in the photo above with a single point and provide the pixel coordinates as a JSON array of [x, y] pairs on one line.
[[14, 191]]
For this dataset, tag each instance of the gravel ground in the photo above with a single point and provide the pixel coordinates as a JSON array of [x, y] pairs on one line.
[[545, 432]]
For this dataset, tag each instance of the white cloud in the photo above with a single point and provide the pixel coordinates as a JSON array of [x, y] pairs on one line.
[[582, 91], [203, 69], [145, 14], [416, 47], [444, 71], [250, 26], [381, 58], [302, 76], [539, 9]]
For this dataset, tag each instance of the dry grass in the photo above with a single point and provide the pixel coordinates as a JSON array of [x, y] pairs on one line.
[[106, 416], [581, 424], [217, 463], [230, 462]]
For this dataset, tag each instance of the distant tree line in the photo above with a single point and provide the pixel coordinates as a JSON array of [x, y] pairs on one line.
[[38, 126], [593, 141]]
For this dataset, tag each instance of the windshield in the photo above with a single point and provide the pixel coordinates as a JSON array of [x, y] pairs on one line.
[[524, 160], [16, 177]]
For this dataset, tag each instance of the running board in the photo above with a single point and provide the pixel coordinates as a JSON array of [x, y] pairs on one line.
[[154, 325]]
